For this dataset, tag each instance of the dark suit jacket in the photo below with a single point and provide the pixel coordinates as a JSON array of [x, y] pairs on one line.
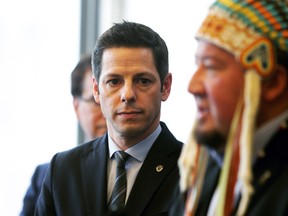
[[270, 174], [31, 196], [76, 181]]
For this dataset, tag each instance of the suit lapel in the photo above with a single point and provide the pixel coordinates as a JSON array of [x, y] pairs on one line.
[[147, 182], [157, 165], [94, 176]]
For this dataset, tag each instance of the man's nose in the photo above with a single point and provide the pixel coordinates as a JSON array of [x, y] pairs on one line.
[[128, 93]]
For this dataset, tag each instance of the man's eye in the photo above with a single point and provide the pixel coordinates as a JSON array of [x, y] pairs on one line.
[[113, 82], [144, 81], [212, 67]]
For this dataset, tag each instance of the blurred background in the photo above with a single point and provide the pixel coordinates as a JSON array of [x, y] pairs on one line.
[[40, 44]]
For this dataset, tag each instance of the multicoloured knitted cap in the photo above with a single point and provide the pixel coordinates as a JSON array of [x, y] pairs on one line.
[[254, 31]]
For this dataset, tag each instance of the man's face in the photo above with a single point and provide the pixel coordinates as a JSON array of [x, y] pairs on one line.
[[216, 85], [129, 92], [88, 111]]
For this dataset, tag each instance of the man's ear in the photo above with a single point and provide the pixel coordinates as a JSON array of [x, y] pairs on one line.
[[276, 85], [76, 106], [96, 90], [166, 88]]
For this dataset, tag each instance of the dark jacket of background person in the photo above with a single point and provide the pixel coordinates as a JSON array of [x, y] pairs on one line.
[[33, 190], [91, 120]]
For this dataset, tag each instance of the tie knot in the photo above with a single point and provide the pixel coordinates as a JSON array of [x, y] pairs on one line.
[[121, 158]]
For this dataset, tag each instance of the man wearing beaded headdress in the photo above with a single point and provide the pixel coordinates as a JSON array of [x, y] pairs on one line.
[[236, 160]]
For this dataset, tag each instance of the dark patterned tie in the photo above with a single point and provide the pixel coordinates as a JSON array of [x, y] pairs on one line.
[[117, 200]]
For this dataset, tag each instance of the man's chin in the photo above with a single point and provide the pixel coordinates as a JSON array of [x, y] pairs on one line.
[[213, 139]]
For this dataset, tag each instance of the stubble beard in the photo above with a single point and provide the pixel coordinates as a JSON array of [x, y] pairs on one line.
[[212, 139]]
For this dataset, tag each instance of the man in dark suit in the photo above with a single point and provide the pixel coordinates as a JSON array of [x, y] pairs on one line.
[[130, 80], [89, 116], [236, 162]]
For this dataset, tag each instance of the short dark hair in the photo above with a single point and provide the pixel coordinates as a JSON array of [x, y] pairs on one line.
[[78, 74], [130, 34]]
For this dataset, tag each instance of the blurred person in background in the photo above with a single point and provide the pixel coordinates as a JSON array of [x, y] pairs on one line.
[[89, 116]]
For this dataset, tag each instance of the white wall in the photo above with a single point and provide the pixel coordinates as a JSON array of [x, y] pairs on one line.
[[39, 47]]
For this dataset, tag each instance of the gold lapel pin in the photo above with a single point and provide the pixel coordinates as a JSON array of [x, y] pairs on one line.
[[159, 168]]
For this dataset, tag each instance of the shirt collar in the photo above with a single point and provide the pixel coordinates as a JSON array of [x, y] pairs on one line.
[[262, 136], [140, 150]]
